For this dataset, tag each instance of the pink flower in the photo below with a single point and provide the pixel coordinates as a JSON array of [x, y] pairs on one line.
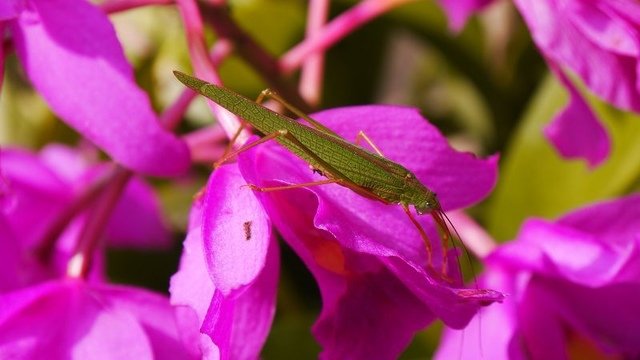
[[225, 290], [571, 284], [70, 52], [599, 42], [596, 40], [368, 259], [39, 189], [72, 319]]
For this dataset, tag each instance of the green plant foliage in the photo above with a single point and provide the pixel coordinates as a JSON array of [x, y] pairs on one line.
[[536, 181]]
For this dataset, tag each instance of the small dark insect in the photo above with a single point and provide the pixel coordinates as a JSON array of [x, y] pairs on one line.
[[247, 230], [316, 171]]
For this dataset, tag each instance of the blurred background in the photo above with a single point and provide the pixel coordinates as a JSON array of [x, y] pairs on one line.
[[487, 88]]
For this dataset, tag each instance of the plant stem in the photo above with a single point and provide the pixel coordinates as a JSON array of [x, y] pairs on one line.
[[336, 30], [174, 114], [44, 250], [264, 63], [80, 263], [312, 71], [114, 6], [203, 66]]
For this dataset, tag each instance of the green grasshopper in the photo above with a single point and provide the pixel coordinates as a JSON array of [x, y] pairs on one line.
[[368, 174]]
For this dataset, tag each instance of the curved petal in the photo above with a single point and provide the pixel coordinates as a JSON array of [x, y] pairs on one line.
[[576, 132], [494, 332], [236, 231], [137, 220], [9, 256], [615, 326], [247, 310], [71, 54], [69, 319], [216, 322], [191, 293], [353, 244], [152, 312], [9, 9], [560, 31], [34, 193]]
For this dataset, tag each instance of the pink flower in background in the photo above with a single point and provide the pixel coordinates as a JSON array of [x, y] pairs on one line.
[[70, 52], [572, 284], [368, 259], [72, 319], [38, 189], [600, 42]]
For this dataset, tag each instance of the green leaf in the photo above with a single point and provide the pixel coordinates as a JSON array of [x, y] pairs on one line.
[[536, 181]]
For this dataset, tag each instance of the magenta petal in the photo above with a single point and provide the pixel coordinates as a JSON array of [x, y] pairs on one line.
[[191, 293], [593, 39], [616, 325], [9, 256], [71, 54], [576, 132], [10, 9], [248, 310], [231, 324], [349, 257], [34, 193], [236, 230], [613, 221], [606, 28], [70, 319], [493, 332], [367, 318], [459, 10], [581, 262], [137, 219], [540, 324], [600, 253]]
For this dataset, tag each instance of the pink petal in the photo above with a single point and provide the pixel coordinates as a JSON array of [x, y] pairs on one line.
[[232, 324], [540, 324], [137, 220], [47, 183], [248, 310], [191, 292], [10, 9], [153, 313], [234, 227], [493, 332], [69, 319], [615, 326], [601, 58], [600, 254], [576, 132], [605, 29], [70, 52], [353, 244], [35, 193], [9, 256]]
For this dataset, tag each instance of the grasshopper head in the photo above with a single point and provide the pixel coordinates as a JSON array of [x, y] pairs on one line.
[[424, 200], [428, 204]]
